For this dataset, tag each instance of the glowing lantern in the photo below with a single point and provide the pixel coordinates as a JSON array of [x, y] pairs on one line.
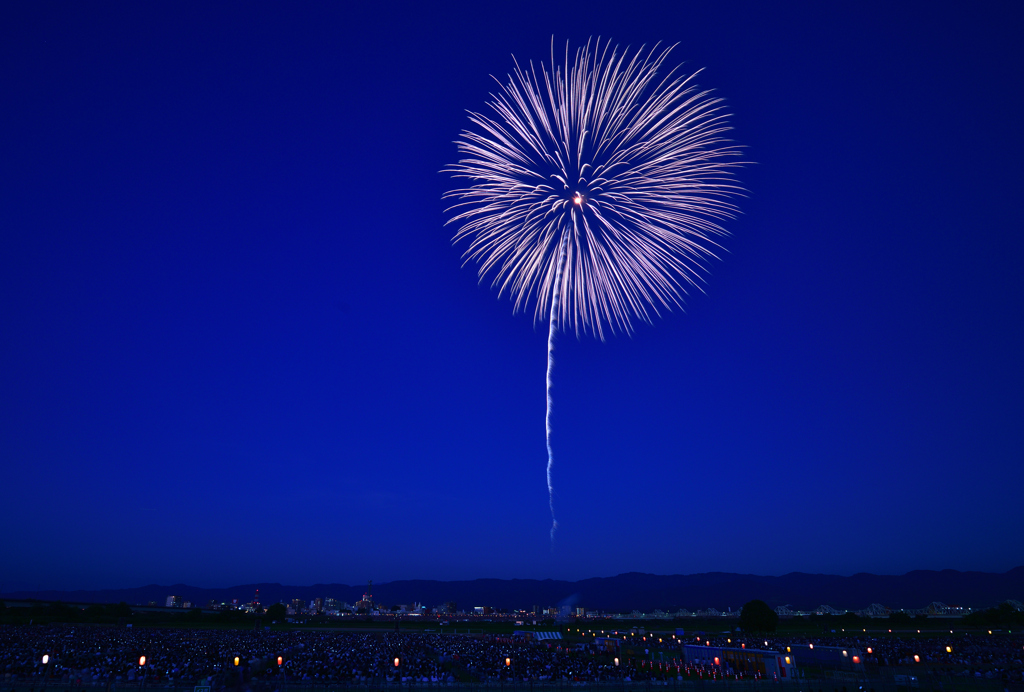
[[917, 659], [280, 660], [46, 659], [397, 661], [236, 660], [949, 649], [142, 660], [508, 661]]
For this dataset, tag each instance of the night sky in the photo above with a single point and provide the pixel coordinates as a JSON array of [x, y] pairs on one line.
[[237, 345]]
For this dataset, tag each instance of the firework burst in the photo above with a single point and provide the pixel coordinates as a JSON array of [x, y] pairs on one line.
[[594, 191]]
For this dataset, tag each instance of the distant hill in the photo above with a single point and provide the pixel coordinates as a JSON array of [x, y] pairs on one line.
[[622, 593]]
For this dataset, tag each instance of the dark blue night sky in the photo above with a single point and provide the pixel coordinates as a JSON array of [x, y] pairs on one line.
[[237, 344]]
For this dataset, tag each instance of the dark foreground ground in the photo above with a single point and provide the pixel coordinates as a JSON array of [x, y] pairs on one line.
[[324, 660]]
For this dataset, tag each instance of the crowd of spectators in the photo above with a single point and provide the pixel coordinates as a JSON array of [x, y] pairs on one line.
[[109, 656], [961, 654]]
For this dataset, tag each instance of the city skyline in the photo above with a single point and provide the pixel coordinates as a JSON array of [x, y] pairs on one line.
[[948, 591]]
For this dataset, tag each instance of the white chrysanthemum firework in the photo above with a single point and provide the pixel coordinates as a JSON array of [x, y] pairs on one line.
[[594, 191], [604, 170]]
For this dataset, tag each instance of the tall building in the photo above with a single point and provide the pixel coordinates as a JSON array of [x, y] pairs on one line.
[[299, 606], [173, 602], [367, 601]]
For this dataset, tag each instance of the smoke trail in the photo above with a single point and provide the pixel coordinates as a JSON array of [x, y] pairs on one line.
[[552, 327]]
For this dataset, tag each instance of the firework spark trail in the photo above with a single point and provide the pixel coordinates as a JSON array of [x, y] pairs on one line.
[[552, 328], [593, 190]]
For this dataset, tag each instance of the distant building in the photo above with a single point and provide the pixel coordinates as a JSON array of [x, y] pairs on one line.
[[318, 605], [299, 606], [335, 604], [366, 602], [581, 612], [173, 602]]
